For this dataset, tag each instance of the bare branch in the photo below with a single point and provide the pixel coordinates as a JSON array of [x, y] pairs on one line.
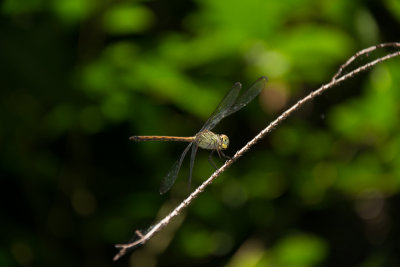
[[143, 236], [361, 53]]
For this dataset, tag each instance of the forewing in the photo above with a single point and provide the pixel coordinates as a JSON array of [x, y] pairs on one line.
[[168, 181], [248, 95], [223, 106]]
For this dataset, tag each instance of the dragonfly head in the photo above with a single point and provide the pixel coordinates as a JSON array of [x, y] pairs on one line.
[[224, 141]]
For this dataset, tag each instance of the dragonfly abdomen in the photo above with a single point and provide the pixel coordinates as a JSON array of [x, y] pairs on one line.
[[160, 138]]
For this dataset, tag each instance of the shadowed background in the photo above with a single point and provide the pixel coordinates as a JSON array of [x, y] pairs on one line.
[[78, 77]]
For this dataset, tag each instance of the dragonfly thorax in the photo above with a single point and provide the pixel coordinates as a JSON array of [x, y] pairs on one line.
[[209, 140]]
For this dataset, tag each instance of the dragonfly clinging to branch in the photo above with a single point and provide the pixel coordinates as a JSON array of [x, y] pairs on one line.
[[206, 139]]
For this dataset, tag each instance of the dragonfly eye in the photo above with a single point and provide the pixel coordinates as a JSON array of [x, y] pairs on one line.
[[224, 141]]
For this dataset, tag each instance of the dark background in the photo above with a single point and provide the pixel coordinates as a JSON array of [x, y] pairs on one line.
[[78, 77]]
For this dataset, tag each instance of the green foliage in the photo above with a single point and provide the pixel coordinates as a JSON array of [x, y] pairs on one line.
[[125, 19], [79, 77], [300, 250]]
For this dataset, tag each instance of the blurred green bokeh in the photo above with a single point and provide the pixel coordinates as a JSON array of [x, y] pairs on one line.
[[79, 77]]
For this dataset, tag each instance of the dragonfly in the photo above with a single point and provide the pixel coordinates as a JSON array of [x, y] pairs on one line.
[[205, 138]]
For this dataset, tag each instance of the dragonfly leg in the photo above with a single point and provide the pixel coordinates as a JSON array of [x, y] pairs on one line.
[[225, 156], [192, 157], [211, 161]]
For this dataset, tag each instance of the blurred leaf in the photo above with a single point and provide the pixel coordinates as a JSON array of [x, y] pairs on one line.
[[393, 6], [366, 172], [197, 243], [300, 250], [127, 19], [116, 107], [314, 47], [371, 118], [248, 255], [73, 11], [366, 27]]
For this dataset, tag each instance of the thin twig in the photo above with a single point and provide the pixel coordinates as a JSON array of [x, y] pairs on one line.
[[143, 237], [360, 53]]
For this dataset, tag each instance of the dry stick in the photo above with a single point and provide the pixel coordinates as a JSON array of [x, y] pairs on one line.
[[360, 53], [144, 237]]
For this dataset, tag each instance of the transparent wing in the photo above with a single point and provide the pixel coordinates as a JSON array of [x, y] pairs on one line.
[[192, 157], [248, 95], [223, 106], [239, 102], [168, 181]]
